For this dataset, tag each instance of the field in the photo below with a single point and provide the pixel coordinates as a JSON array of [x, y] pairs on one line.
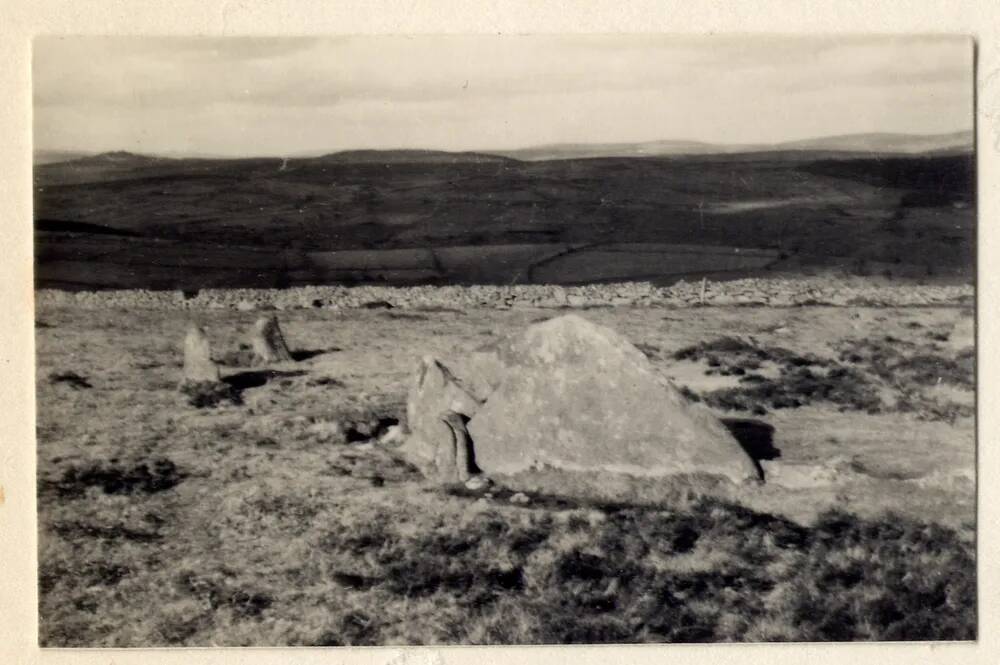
[[119, 220], [283, 520]]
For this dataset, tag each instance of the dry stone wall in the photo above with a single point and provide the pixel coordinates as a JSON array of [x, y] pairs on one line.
[[768, 292]]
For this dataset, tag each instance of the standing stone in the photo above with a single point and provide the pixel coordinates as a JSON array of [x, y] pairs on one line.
[[431, 441], [267, 341], [198, 364], [579, 397]]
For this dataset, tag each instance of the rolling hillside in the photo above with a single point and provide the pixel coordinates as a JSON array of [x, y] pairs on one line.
[[882, 143], [119, 219]]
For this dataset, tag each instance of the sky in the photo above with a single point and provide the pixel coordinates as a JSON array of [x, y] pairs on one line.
[[292, 96]]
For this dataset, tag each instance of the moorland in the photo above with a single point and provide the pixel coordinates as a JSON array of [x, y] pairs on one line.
[[120, 220], [284, 515]]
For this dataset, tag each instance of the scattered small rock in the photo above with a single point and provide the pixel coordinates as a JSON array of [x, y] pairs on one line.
[[477, 483], [328, 431], [393, 436], [519, 498]]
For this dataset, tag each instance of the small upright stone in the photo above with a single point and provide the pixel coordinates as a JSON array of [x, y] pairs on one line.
[[202, 383], [267, 341], [198, 364]]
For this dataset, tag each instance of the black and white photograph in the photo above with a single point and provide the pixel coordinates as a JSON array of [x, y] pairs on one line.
[[496, 339]]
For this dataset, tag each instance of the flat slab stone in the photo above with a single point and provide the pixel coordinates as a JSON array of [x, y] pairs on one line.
[[434, 393], [579, 397]]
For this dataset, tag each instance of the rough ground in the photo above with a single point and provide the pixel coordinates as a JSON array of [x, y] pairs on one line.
[[278, 521]]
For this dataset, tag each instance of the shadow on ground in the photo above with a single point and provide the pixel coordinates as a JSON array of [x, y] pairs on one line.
[[756, 438], [256, 378], [307, 354]]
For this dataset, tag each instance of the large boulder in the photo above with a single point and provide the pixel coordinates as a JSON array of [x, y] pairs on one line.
[[481, 370], [435, 405], [577, 396], [268, 342], [198, 364]]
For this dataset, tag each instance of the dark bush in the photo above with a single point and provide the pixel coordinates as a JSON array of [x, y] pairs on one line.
[[152, 477], [804, 378], [887, 579], [206, 394], [72, 379]]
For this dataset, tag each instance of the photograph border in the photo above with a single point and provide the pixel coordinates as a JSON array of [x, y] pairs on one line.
[[980, 19]]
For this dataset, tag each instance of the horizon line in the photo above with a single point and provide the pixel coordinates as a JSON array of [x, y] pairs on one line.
[[724, 147]]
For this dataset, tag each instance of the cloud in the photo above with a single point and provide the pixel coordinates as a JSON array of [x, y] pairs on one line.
[[117, 86]]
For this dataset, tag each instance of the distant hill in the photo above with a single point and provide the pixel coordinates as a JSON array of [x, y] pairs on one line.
[[410, 157], [101, 167], [123, 165], [591, 150], [881, 143], [57, 156], [118, 158], [122, 158], [888, 143]]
